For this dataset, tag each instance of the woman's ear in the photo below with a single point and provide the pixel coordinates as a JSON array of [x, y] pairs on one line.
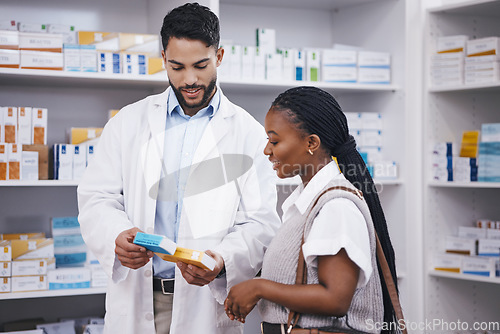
[[314, 142]]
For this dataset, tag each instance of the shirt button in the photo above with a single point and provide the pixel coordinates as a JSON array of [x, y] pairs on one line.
[[149, 316], [147, 273]]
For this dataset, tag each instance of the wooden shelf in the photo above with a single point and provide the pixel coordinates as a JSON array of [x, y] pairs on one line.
[[52, 293], [467, 277]]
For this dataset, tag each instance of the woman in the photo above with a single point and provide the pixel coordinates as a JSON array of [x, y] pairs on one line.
[[306, 127]]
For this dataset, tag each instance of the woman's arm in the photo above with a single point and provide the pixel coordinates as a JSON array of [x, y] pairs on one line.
[[338, 278]]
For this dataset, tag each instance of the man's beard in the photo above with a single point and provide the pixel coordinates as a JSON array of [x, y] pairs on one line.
[[207, 92]]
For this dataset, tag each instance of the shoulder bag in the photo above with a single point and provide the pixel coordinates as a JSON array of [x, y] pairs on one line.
[[293, 317]]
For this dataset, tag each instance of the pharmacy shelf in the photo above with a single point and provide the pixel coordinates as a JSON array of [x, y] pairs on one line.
[[467, 277], [257, 86], [52, 293], [452, 184], [486, 87], [10, 76], [39, 183], [311, 4], [488, 8]]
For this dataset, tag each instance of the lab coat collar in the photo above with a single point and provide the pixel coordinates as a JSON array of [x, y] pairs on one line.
[[302, 197]]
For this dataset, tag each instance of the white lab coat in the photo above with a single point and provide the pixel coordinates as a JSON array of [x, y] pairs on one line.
[[119, 191]]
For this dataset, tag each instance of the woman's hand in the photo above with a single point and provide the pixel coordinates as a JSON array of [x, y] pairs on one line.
[[242, 299]]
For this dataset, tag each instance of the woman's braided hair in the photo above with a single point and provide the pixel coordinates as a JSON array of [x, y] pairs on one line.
[[315, 111]]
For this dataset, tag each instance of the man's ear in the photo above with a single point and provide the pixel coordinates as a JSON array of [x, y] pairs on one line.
[[163, 56], [219, 55]]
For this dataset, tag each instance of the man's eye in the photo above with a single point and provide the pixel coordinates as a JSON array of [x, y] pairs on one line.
[[201, 67], [177, 68]]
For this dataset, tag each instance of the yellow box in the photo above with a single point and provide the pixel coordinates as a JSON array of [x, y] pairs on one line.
[[470, 142], [155, 65], [81, 135], [112, 113], [32, 249], [190, 256], [107, 41], [22, 236], [113, 41]]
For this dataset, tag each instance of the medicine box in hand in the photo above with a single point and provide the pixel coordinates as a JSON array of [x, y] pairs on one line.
[[155, 243], [168, 250]]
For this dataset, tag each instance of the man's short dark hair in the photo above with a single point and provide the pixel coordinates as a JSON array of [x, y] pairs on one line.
[[191, 21]]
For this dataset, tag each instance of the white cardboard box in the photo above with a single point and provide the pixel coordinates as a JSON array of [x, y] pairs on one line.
[[29, 283]]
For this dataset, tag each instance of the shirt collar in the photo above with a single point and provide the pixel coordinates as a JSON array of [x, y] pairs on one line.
[[210, 110], [302, 197]]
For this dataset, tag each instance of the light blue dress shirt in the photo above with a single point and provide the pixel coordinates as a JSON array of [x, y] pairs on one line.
[[182, 135]]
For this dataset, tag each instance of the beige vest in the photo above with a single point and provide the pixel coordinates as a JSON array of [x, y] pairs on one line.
[[280, 265]]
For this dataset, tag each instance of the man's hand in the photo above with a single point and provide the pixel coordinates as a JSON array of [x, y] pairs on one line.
[[198, 276], [129, 254]]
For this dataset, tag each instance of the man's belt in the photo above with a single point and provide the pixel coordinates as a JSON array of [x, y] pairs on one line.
[[165, 285]]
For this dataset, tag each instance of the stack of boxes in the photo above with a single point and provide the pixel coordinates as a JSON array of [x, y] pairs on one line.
[[31, 256], [447, 165], [265, 61], [460, 60], [489, 153], [31, 262], [71, 160], [61, 47], [71, 256], [367, 130], [442, 162], [447, 65], [23, 143], [482, 61], [128, 53], [475, 250], [339, 66]]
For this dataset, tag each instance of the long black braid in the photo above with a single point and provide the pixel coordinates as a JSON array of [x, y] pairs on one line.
[[315, 111]]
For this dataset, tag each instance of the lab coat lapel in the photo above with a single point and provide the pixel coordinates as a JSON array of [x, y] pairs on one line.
[[215, 131], [153, 153]]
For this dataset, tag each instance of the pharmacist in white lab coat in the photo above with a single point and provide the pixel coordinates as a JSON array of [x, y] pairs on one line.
[[188, 164]]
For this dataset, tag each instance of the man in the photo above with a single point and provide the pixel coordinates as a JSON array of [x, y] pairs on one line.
[[187, 164]]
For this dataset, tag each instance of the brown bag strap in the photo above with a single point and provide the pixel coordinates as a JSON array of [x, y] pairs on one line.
[[301, 278], [391, 287]]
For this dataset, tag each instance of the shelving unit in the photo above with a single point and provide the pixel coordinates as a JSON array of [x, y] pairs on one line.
[[466, 277], [449, 111], [83, 99], [52, 293]]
